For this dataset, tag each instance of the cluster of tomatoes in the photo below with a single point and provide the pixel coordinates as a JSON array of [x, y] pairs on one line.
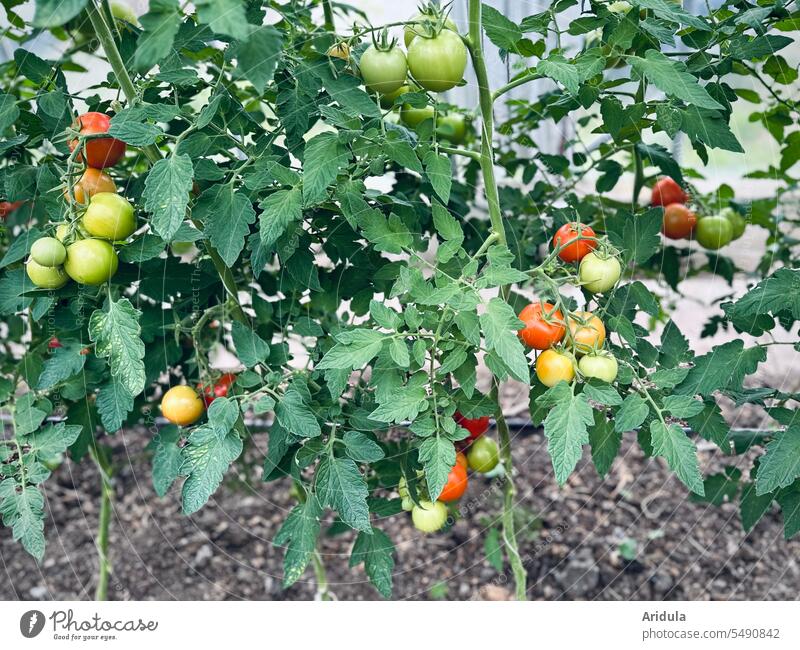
[[711, 232], [573, 344], [482, 456], [83, 249], [182, 405], [436, 59]]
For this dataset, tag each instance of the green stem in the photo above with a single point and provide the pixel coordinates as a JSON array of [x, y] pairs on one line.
[[106, 499], [328, 11], [638, 168], [519, 81], [475, 46], [321, 576]]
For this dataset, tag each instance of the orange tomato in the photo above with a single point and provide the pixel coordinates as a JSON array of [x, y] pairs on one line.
[[92, 182], [544, 325], [456, 484], [586, 331]]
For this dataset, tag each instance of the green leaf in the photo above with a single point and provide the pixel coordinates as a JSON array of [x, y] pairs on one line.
[[114, 402], [566, 428], [501, 31], [224, 17], [376, 551], [724, 368], [250, 347], [117, 336], [789, 502], [674, 445], [299, 534], [672, 77], [605, 442], [385, 316], [437, 455], [205, 459], [440, 174], [499, 324], [637, 236], [279, 210], [160, 25], [674, 12], [8, 111], [138, 134], [324, 158], [758, 47], [403, 154], [356, 353], [226, 215], [341, 486], [683, 406], [296, 416], [499, 270], [22, 509], [710, 128], [710, 424], [405, 404], [62, 363], [602, 393], [166, 193], [167, 458], [361, 448], [493, 549], [779, 293], [259, 54], [27, 416], [753, 506], [780, 465], [52, 439], [631, 413], [559, 69], [54, 13]]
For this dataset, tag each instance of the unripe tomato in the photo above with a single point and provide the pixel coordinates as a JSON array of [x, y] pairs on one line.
[[714, 232], [483, 455], [182, 406], [456, 484], [461, 459], [667, 191], [554, 366], [574, 249], [429, 517], [220, 388], [476, 426], [421, 24], [598, 274], [600, 365], [452, 127], [383, 71], [413, 117], [91, 261], [48, 251], [387, 99], [93, 181], [109, 216], [7, 207], [586, 331], [340, 51], [737, 221], [544, 325], [123, 12], [679, 221], [438, 63], [46, 277], [100, 152]]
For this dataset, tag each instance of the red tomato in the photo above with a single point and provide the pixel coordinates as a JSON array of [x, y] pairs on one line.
[[220, 388], [544, 325], [456, 484], [578, 248], [667, 191], [679, 221], [54, 343], [476, 426], [7, 207], [100, 152]]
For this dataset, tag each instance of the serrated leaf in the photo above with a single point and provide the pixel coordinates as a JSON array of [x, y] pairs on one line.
[[167, 459], [361, 448], [605, 443], [61, 364], [205, 459], [682, 406], [405, 404], [631, 413], [226, 215], [299, 534], [54, 13], [780, 465], [293, 414], [324, 158], [566, 428], [52, 439], [753, 506], [353, 354], [672, 77], [250, 347], [437, 455], [725, 367], [559, 69], [116, 332], [224, 17], [160, 25], [499, 325], [22, 510], [674, 445], [279, 210], [259, 54], [114, 402], [376, 551], [341, 486], [403, 154], [440, 174], [710, 128], [166, 193]]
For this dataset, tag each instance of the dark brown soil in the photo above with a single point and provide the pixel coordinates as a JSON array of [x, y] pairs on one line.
[[574, 540]]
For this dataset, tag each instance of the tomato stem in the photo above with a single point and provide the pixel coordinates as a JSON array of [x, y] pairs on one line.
[[106, 497], [328, 11]]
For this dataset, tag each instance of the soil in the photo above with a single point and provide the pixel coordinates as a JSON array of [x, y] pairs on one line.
[[634, 535]]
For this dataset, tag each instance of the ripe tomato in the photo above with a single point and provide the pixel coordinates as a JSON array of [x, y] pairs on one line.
[[600, 365], [483, 455], [46, 277], [456, 484], [574, 249], [109, 216], [383, 71], [54, 343], [679, 221], [422, 23], [91, 261], [667, 191], [586, 331], [476, 426], [452, 127], [429, 517], [544, 325], [738, 223], [714, 232], [413, 117], [438, 63], [598, 274], [48, 251], [92, 182], [100, 152], [554, 366], [7, 207], [461, 459], [220, 388], [182, 406], [340, 51]]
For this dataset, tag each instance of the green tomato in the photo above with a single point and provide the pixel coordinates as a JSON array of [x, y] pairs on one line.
[[387, 99], [122, 11], [438, 63], [91, 261], [419, 25], [737, 221], [600, 365], [48, 251], [483, 455], [598, 274], [109, 216], [713, 233], [383, 71], [451, 127], [429, 517], [46, 277], [181, 247], [413, 117]]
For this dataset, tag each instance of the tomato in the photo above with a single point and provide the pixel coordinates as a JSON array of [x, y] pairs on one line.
[[123, 12], [48, 251], [438, 63], [476, 426], [667, 191], [456, 484], [92, 182], [544, 325], [452, 127], [219, 389], [574, 249], [340, 51], [421, 24], [586, 331], [7, 207], [182, 406], [714, 232], [413, 117], [100, 152], [461, 459], [109, 216], [679, 221], [737, 221], [599, 274], [91, 261], [383, 71], [554, 366], [54, 343], [46, 277], [429, 517], [387, 99], [483, 455], [600, 365]]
